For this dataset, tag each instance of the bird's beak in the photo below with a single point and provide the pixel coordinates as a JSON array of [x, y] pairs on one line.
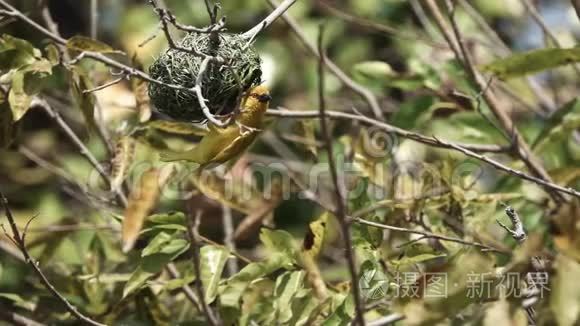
[[264, 98]]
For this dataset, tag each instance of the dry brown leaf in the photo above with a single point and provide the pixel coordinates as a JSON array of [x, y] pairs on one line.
[[124, 154], [141, 202]]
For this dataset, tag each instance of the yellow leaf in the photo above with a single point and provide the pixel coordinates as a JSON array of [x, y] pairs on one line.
[[142, 200], [124, 153], [85, 101], [314, 238]]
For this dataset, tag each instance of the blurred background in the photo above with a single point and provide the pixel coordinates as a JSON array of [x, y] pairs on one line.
[[392, 47]]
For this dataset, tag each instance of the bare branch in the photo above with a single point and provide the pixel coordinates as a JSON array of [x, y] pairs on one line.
[[193, 235], [364, 92], [105, 85], [229, 240], [425, 233], [469, 150], [544, 26], [187, 290], [341, 212], [278, 11], [94, 18], [76, 140], [455, 41], [16, 318], [19, 240], [387, 320], [402, 34], [167, 17]]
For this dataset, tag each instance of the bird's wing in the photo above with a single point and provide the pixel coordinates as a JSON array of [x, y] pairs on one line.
[[237, 146]]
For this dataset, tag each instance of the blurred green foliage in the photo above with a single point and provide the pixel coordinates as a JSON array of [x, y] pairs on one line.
[[290, 254]]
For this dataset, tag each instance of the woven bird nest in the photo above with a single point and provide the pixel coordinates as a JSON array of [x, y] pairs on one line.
[[219, 85]]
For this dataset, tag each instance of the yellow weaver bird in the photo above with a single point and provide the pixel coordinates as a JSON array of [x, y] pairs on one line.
[[220, 145]]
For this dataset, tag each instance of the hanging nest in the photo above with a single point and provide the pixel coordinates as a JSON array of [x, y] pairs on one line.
[[219, 85]]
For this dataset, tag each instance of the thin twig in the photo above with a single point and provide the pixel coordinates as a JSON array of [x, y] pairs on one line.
[[105, 85], [364, 92], [19, 239], [341, 212], [53, 28], [82, 148], [278, 11], [167, 17], [402, 34], [16, 318], [424, 233], [94, 18], [193, 234], [187, 290], [455, 41], [387, 320], [531, 8], [469, 150], [229, 241], [201, 100], [300, 114], [545, 101]]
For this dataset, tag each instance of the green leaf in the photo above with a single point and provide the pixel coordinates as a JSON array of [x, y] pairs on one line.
[[19, 300], [213, 260], [162, 249], [411, 260], [525, 63], [343, 314], [15, 52], [567, 118], [167, 218], [303, 305], [156, 244], [232, 290], [287, 285], [18, 98], [279, 241], [83, 43], [85, 101], [52, 53], [373, 70]]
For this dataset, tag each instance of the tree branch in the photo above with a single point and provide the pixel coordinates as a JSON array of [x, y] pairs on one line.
[[455, 41], [364, 92], [278, 11], [469, 150], [339, 196], [193, 235], [19, 240]]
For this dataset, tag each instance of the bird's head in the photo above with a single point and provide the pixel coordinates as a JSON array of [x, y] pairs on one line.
[[255, 105], [260, 93]]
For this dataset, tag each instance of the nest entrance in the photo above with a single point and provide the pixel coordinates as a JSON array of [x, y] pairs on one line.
[[219, 85]]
